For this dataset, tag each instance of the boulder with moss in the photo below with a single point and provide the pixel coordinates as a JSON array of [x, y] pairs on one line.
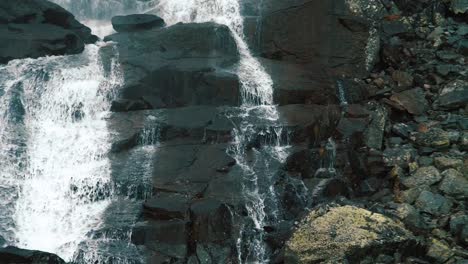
[[346, 233]]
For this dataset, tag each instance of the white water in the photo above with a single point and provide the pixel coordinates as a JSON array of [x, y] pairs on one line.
[[64, 185]]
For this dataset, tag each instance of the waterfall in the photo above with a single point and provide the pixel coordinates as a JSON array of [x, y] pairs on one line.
[[257, 100]]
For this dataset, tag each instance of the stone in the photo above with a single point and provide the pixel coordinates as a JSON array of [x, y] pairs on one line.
[[180, 65], [16, 255], [459, 6], [37, 28], [399, 155], [403, 79], [413, 101], [331, 235], [136, 22], [454, 95], [409, 215], [459, 227], [454, 184], [409, 196], [212, 221], [439, 250], [166, 206], [434, 137], [434, 204], [424, 176], [443, 163]]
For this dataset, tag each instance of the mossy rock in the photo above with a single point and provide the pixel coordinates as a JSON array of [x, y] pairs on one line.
[[344, 235]]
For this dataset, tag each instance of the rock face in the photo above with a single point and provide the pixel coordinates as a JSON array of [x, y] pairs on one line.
[[136, 22], [182, 65], [17, 255], [345, 233], [31, 29]]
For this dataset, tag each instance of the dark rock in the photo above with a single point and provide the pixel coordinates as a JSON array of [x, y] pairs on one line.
[[124, 105], [375, 132], [136, 22], [434, 204], [181, 65], [212, 221], [39, 28], [413, 101], [459, 227], [16, 255], [168, 238], [459, 6], [454, 184], [166, 206], [335, 40], [454, 95], [443, 163]]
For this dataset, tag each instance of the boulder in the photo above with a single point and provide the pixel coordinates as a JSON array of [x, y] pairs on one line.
[[413, 101], [433, 137], [16, 255], [454, 184], [434, 204], [32, 29], [454, 95], [180, 65], [425, 176], [136, 22], [345, 233], [335, 40]]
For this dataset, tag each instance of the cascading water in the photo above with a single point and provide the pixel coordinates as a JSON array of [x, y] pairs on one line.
[[257, 101], [57, 188]]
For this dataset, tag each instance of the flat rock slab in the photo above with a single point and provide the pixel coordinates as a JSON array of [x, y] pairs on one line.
[[136, 22]]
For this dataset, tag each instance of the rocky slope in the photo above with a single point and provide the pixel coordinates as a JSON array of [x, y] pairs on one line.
[[31, 29]]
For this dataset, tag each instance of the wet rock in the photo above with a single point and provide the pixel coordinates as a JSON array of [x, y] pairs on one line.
[[464, 141], [166, 206], [168, 238], [413, 101], [454, 95], [136, 22], [17, 255], [328, 236], [181, 65], [434, 204], [454, 184], [124, 105], [434, 137], [212, 221], [439, 250], [39, 28], [443, 163], [425, 176]]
